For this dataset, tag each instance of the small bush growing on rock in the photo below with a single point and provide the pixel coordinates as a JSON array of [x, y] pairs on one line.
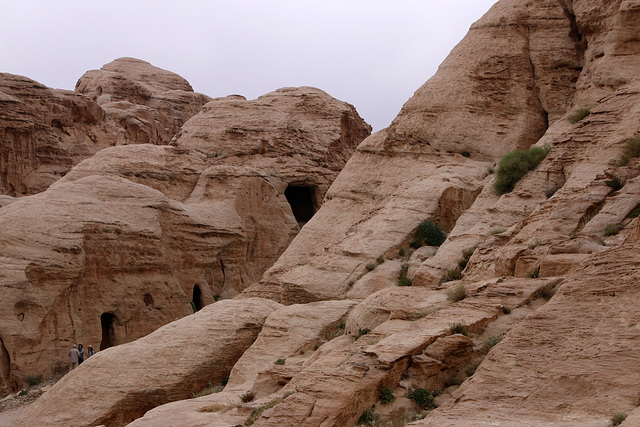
[[362, 332], [533, 274], [466, 154], [279, 362], [459, 328], [255, 414], [578, 115], [451, 275], [387, 396], [515, 165], [631, 150], [534, 244], [371, 265], [635, 213], [546, 292], [402, 252], [617, 419], [495, 231], [247, 396], [490, 343], [34, 379], [615, 183], [405, 280], [507, 309], [430, 233], [466, 256], [380, 259], [613, 229], [368, 418], [491, 170], [423, 398], [209, 389], [457, 293]]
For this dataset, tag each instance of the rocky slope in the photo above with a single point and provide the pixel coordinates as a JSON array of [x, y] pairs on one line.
[[140, 235], [540, 328]]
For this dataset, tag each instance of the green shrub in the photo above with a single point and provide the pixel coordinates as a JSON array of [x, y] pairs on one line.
[[457, 293], [430, 233], [279, 362], [451, 275], [534, 244], [635, 213], [386, 396], [402, 252], [613, 229], [491, 170], [495, 231], [617, 419], [490, 343], [631, 150], [466, 154], [380, 259], [368, 418], [507, 309], [404, 280], [423, 398], [578, 115], [371, 265], [515, 165], [546, 292], [614, 183], [533, 274], [416, 242], [459, 328], [34, 379]]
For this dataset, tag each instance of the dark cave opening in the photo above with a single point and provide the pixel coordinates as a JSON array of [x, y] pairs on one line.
[[197, 298], [301, 199], [108, 333]]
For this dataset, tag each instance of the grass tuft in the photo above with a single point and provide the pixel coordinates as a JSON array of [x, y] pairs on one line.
[[490, 343], [279, 362], [459, 328], [631, 150], [615, 183], [617, 419], [507, 309], [451, 275], [34, 379], [578, 115], [457, 293], [371, 266], [247, 396]]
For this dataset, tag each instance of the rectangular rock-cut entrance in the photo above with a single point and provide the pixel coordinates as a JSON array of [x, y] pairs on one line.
[[108, 334], [302, 202]]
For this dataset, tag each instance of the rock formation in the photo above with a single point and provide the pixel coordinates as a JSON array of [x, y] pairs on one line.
[[140, 235], [526, 314], [47, 131]]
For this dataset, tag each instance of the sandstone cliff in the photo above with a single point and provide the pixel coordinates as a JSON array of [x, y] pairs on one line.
[[140, 235], [540, 327], [46, 131]]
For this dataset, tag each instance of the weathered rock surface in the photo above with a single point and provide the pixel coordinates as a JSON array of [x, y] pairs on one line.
[[540, 280], [128, 238], [47, 131], [148, 104], [121, 383]]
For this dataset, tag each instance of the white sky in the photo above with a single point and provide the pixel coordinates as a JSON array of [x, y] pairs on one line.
[[373, 54]]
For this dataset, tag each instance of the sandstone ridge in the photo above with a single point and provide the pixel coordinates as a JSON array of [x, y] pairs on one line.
[[525, 315]]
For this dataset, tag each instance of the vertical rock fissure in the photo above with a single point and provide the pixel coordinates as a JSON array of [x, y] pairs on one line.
[[5, 366]]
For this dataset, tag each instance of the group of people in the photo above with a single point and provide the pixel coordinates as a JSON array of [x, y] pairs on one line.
[[77, 353]]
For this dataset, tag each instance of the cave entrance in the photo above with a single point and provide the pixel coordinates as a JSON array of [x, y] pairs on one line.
[[197, 298], [108, 333], [301, 199], [5, 365]]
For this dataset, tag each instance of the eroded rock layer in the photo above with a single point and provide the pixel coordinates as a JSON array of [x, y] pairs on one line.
[[140, 235], [526, 314]]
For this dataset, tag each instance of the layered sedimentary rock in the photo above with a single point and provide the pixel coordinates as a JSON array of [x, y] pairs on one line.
[[540, 327], [47, 131], [140, 235]]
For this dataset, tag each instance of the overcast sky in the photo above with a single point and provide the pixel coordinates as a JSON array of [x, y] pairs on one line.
[[372, 54]]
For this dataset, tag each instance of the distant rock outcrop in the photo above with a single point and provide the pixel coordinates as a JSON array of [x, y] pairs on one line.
[[45, 132]]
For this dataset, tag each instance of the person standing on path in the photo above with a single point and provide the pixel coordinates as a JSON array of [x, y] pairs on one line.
[[74, 354], [81, 351], [90, 351]]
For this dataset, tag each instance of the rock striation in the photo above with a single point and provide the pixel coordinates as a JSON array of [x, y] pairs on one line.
[[525, 315]]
